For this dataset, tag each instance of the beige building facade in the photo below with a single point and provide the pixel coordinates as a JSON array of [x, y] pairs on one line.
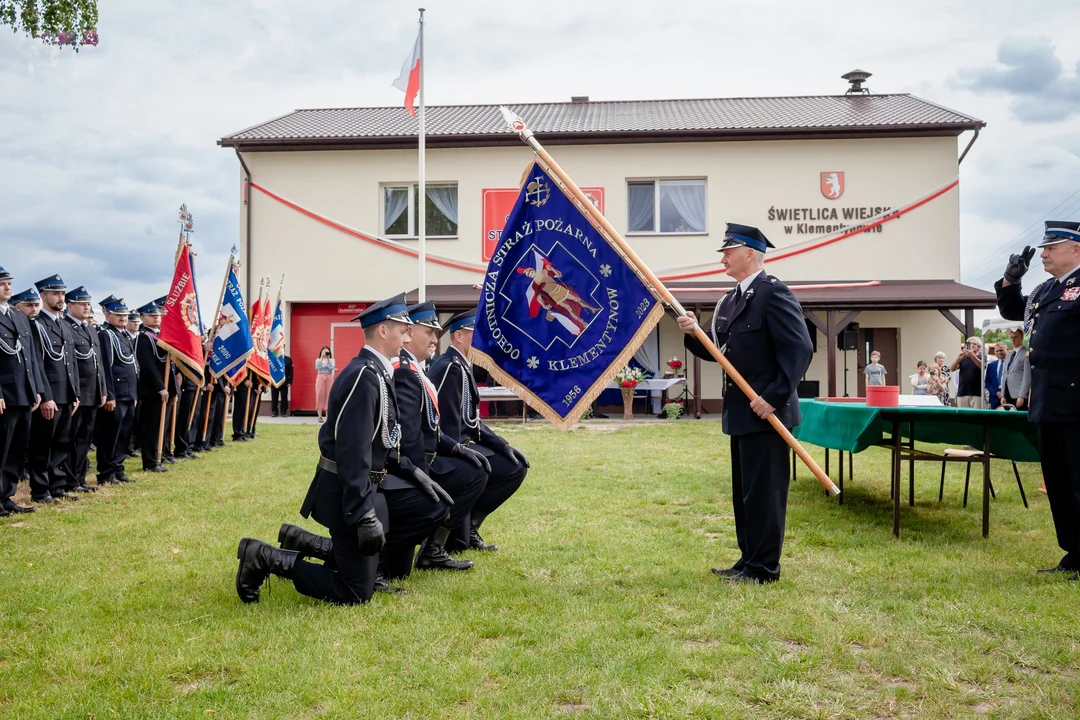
[[335, 211]]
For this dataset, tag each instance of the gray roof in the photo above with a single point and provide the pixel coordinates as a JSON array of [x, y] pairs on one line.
[[612, 121]]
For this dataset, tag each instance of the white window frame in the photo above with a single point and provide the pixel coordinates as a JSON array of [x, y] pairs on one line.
[[657, 182], [410, 210]]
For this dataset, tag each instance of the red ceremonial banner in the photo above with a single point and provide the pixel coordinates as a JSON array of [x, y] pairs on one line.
[[180, 332], [261, 319], [497, 204]]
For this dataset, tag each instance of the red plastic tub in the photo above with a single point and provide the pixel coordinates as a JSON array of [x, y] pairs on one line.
[[883, 396]]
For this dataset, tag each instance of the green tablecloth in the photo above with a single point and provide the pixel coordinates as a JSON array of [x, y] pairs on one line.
[[853, 427]]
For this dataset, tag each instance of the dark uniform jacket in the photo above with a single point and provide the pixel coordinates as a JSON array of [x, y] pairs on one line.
[[459, 402], [88, 361], [151, 361], [1054, 345], [360, 435], [54, 345], [121, 368], [765, 338], [21, 378], [420, 434]]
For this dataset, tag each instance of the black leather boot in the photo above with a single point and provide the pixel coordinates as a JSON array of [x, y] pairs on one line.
[[433, 555], [308, 544], [257, 561], [475, 541]]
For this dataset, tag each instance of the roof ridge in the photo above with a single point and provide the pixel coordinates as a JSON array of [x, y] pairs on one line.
[[614, 102]]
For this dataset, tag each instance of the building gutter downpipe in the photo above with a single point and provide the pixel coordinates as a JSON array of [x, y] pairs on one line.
[[963, 154], [247, 221]]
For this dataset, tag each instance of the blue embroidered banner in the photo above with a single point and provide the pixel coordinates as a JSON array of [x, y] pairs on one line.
[[561, 312], [232, 343], [275, 353]]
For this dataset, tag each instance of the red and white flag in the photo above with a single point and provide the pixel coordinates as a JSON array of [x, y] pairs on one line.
[[181, 328], [261, 319], [409, 79]]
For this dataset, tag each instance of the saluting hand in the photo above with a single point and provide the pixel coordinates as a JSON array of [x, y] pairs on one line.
[[687, 322], [761, 408], [1018, 265]]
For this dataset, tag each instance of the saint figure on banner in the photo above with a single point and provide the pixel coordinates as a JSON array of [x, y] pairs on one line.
[[548, 291]]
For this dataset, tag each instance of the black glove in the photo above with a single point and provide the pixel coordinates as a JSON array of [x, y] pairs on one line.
[[472, 456], [432, 488], [1018, 265], [518, 456], [369, 533]]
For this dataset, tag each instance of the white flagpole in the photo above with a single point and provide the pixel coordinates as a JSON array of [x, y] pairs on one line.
[[422, 189]]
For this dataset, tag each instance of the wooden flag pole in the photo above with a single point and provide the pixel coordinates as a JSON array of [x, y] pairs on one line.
[[164, 404], [191, 412], [221, 299], [253, 402], [206, 415], [225, 412], [586, 206], [172, 420]]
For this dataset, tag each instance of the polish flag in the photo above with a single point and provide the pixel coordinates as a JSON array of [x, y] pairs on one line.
[[409, 79]]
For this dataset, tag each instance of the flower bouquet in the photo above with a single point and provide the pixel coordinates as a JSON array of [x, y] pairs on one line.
[[628, 379], [676, 366]]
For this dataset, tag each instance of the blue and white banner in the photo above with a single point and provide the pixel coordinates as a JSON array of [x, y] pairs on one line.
[[275, 351], [561, 311], [232, 342]]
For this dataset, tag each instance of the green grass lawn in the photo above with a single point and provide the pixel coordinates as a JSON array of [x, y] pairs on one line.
[[599, 604]]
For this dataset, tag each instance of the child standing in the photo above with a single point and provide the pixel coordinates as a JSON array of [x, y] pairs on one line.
[[875, 371]]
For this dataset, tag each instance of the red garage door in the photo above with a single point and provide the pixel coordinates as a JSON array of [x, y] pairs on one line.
[[313, 325]]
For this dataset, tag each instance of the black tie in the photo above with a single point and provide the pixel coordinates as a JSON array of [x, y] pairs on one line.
[[738, 294]]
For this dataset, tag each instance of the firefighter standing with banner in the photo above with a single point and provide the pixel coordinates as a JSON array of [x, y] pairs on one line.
[[761, 331]]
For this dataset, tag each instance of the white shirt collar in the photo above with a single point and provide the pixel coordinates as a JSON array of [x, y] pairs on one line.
[[419, 366], [3, 309], [747, 281], [1066, 276], [386, 363], [45, 311], [463, 356]]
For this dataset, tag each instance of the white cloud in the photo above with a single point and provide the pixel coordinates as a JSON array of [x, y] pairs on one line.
[[101, 148]]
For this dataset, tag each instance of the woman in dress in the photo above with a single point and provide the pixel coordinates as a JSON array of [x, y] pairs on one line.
[[324, 378]]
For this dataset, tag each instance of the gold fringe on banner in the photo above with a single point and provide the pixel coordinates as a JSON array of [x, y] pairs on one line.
[[586, 400]]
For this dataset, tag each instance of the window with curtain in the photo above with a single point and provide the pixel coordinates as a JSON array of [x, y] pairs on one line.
[[667, 207], [401, 210]]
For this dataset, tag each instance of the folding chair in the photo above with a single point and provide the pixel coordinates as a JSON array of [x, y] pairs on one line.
[[972, 456]]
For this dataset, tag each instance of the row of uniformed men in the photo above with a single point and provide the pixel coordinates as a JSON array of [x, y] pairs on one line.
[[66, 384], [404, 461]]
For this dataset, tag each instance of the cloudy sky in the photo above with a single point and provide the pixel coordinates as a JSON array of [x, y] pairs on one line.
[[98, 149]]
